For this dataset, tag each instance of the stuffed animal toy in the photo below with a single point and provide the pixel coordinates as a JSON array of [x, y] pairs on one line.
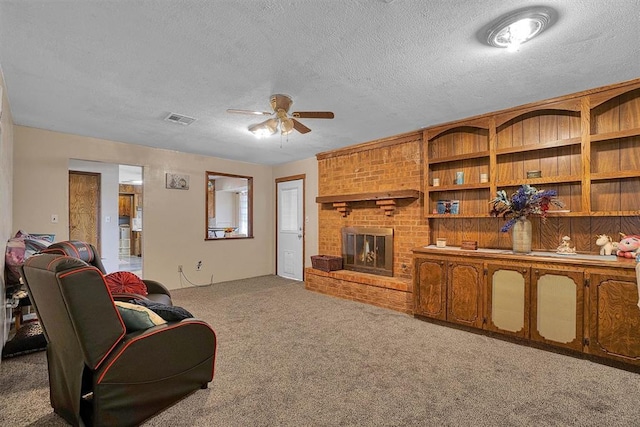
[[606, 244], [629, 246]]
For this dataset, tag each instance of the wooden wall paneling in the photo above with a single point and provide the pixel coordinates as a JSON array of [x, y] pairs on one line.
[[606, 117], [551, 232], [575, 200], [504, 168], [581, 234], [562, 161], [629, 161], [605, 195], [609, 225], [489, 233], [517, 134], [629, 191], [630, 110], [605, 156], [470, 229], [630, 225], [549, 131], [504, 137], [532, 161]]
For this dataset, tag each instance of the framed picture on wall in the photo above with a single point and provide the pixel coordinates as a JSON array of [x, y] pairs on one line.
[[177, 182]]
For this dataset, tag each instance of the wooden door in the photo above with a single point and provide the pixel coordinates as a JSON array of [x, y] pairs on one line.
[[614, 317], [557, 307], [508, 296], [431, 290], [84, 207], [465, 287]]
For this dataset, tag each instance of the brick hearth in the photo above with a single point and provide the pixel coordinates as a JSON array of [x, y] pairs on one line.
[[387, 292]]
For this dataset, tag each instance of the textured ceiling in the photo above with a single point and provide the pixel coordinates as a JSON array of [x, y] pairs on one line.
[[115, 69]]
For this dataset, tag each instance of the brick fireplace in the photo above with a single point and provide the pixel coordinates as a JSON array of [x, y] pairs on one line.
[[375, 186]]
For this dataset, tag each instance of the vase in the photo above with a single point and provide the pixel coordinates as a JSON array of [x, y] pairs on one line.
[[521, 236]]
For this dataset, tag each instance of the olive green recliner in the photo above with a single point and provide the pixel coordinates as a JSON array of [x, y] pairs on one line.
[[98, 373]]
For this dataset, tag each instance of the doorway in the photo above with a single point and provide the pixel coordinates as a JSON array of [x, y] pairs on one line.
[[290, 227], [130, 198], [107, 198]]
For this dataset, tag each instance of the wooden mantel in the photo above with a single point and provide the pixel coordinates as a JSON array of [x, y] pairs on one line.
[[385, 199]]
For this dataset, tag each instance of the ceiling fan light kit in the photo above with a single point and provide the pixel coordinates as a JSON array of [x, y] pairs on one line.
[[280, 104], [518, 27]]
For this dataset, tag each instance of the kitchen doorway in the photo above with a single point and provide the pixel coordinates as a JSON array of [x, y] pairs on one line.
[[130, 198], [115, 231]]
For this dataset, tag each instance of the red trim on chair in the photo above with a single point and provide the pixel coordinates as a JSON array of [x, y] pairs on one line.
[[168, 328]]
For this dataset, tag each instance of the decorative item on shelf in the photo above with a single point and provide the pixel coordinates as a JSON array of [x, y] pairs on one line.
[[448, 207], [525, 202], [459, 178], [228, 231], [534, 174], [565, 247], [484, 178], [629, 246], [441, 242], [607, 245], [470, 245], [436, 182]]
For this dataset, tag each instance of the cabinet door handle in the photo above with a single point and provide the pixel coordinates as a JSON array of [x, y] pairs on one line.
[[524, 271]]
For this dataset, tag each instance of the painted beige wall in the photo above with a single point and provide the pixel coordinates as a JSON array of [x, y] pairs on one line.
[[174, 220], [6, 194], [309, 167]]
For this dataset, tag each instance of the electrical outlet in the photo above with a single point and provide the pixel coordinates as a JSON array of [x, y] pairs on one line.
[[199, 266], [179, 269]]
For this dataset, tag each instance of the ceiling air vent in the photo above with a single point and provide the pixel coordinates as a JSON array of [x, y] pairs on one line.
[[179, 119]]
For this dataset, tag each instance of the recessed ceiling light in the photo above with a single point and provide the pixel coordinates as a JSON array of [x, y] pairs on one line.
[[518, 27]]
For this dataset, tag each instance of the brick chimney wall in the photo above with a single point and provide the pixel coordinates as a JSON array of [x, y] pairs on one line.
[[390, 164]]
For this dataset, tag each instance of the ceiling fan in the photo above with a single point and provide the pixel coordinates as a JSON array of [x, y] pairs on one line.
[[280, 105]]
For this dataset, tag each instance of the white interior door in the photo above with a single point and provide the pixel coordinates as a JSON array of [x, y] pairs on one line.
[[290, 226]]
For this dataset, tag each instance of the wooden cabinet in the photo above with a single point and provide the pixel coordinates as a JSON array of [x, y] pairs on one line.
[[465, 290], [614, 317], [508, 301], [586, 304], [430, 292], [557, 307]]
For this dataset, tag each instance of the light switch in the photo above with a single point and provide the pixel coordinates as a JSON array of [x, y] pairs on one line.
[[54, 218]]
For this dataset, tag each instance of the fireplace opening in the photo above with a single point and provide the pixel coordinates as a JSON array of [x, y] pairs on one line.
[[368, 250]]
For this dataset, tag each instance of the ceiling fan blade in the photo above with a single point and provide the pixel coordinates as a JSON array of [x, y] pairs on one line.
[[300, 127], [255, 113], [313, 114]]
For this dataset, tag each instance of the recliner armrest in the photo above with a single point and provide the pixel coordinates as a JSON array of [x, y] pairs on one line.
[[175, 347], [154, 287]]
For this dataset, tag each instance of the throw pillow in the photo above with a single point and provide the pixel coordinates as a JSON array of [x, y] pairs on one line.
[[136, 317], [125, 282], [170, 313]]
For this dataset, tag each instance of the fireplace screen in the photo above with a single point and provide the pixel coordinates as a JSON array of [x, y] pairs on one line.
[[368, 250]]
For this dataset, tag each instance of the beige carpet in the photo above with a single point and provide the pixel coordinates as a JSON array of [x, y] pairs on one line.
[[290, 357]]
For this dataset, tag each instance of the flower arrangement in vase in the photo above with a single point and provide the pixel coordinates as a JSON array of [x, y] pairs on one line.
[[516, 209]]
